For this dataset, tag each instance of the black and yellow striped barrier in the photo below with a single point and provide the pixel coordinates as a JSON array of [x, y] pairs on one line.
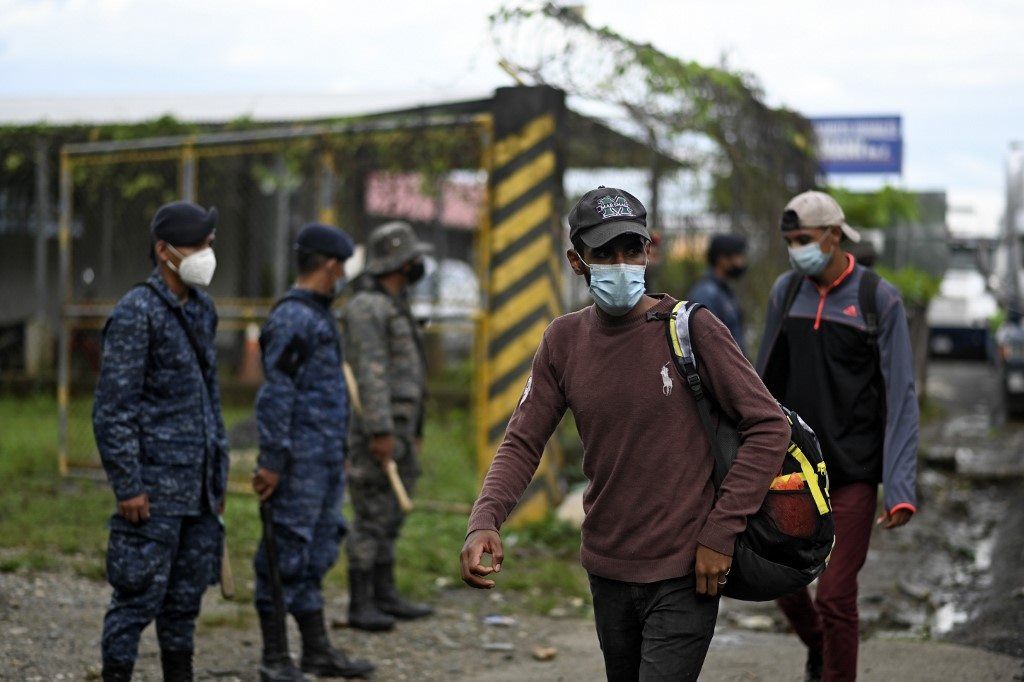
[[521, 246]]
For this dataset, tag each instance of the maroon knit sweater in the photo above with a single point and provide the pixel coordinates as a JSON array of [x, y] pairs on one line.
[[650, 497]]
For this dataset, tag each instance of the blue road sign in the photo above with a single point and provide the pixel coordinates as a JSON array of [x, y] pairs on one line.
[[859, 144]]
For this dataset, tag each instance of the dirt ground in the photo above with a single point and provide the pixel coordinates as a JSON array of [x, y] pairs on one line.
[[942, 598]]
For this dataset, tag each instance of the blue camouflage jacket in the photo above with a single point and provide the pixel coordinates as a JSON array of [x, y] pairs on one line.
[[302, 407], [156, 417], [721, 300]]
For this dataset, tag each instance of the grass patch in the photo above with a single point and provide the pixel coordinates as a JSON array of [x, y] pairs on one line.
[[51, 522], [932, 411], [31, 560], [237, 616]]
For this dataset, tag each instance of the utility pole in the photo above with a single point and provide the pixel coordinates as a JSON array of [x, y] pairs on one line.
[[1011, 223]]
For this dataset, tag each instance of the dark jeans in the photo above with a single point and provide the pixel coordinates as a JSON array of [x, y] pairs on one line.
[[830, 622], [654, 631]]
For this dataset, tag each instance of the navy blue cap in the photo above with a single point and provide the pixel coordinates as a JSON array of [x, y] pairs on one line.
[[324, 239], [726, 245], [182, 223]]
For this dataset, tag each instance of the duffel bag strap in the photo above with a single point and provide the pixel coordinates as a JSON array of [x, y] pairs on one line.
[[685, 360]]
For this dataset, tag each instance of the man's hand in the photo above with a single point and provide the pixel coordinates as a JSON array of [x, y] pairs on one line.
[[264, 482], [895, 519], [383, 447], [135, 509], [712, 569], [479, 543]]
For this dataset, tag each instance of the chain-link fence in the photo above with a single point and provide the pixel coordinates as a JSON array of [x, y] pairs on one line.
[[264, 189]]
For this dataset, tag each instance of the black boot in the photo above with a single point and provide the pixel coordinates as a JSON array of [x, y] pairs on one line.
[[363, 613], [276, 665], [319, 657], [815, 666], [388, 600], [116, 671], [177, 665]]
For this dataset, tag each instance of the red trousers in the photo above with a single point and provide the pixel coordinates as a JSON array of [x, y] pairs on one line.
[[830, 622]]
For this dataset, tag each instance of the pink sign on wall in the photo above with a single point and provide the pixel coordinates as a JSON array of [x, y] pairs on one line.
[[404, 196]]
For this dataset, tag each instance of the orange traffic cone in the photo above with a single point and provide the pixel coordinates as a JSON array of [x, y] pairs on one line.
[[250, 371]]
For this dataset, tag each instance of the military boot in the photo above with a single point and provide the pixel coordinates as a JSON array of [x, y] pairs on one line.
[[319, 657], [363, 613], [388, 600], [117, 671], [276, 665], [177, 665]]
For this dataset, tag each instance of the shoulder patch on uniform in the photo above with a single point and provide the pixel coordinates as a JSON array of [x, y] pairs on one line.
[[293, 356]]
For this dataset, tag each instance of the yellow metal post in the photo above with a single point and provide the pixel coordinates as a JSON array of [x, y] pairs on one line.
[[188, 174], [64, 336], [325, 196], [481, 361]]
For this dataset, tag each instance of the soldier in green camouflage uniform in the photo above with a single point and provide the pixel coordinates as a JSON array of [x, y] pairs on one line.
[[384, 346]]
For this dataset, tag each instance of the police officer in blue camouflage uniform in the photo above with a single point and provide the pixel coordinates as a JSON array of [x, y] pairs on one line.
[[727, 263], [385, 348], [302, 412], [158, 428]]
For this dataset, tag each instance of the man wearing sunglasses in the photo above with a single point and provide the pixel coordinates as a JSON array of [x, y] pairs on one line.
[[837, 350]]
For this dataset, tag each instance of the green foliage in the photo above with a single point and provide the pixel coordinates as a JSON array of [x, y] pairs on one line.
[[996, 321], [915, 285], [887, 207], [676, 276], [756, 156], [49, 523]]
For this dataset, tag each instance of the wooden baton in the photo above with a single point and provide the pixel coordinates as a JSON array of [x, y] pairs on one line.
[[404, 503], [227, 578], [391, 469]]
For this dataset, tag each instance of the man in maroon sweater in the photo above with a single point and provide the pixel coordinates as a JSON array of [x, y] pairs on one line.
[[656, 542]]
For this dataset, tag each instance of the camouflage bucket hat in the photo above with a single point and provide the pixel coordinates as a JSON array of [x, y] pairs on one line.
[[391, 246]]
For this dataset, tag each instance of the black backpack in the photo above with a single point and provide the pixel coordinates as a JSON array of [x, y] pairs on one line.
[[788, 541]]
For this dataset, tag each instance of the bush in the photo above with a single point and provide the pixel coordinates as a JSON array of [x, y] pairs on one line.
[[916, 286]]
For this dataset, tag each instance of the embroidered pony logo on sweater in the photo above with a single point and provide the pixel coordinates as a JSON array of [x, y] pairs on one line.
[[526, 392], [666, 380]]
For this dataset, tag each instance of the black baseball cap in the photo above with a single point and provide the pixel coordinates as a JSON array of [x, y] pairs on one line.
[[604, 213]]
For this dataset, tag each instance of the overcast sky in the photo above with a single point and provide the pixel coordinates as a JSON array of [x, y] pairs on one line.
[[953, 70]]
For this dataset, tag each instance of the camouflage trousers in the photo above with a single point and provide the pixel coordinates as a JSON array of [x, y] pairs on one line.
[[308, 530], [159, 570], [378, 518]]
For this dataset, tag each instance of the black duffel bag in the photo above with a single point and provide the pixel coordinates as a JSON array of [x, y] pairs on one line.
[[788, 541]]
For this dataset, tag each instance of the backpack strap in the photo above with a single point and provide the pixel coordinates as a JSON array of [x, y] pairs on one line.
[[332, 322], [204, 364], [868, 299], [792, 289], [685, 359]]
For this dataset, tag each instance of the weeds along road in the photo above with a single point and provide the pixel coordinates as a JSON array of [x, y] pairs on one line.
[[940, 599]]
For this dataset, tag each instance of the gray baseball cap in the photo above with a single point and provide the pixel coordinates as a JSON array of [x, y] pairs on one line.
[[391, 246], [816, 210]]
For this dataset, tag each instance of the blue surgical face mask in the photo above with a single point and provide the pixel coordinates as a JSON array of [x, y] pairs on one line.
[[809, 259], [616, 288]]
